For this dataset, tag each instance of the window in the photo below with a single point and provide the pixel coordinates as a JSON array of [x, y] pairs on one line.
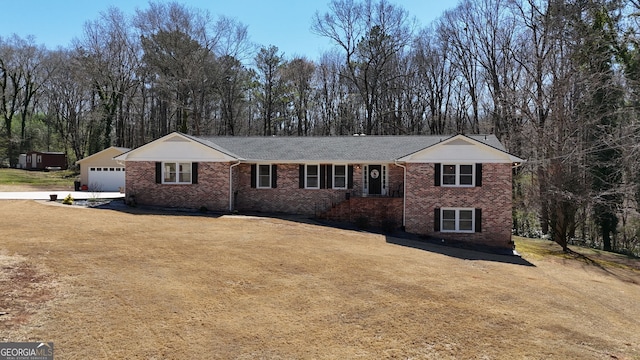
[[339, 176], [457, 220], [176, 173], [458, 175], [312, 178], [264, 176]]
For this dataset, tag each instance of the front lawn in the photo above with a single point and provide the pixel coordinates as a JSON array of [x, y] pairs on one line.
[[135, 285], [37, 179]]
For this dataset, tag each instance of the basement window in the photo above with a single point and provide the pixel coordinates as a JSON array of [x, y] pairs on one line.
[[457, 220]]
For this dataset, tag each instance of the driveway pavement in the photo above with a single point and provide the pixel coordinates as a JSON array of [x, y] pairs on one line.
[[44, 195]]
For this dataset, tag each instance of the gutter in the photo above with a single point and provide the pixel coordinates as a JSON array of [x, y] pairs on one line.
[[231, 184], [404, 193]]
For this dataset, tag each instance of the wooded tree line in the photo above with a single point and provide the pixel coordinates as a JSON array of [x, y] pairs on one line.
[[556, 81]]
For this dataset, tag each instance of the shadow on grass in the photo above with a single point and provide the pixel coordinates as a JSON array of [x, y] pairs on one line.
[[459, 253], [609, 270], [119, 205], [401, 238]]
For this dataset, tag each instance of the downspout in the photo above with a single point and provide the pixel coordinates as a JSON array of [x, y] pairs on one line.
[[404, 193], [231, 184]]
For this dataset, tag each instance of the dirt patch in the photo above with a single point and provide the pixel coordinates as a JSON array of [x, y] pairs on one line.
[[153, 286], [26, 292]]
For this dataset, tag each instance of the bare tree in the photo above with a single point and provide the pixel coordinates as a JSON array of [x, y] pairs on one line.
[[371, 35]]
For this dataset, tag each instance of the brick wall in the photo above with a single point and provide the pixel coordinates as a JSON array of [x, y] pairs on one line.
[[211, 191], [287, 197], [493, 197], [378, 211]]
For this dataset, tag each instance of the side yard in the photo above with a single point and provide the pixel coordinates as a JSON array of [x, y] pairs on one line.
[[150, 286]]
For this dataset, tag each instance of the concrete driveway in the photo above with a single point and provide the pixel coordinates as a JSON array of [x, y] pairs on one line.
[[45, 195]]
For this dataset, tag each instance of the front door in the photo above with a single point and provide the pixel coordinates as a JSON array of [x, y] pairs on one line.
[[375, 179]]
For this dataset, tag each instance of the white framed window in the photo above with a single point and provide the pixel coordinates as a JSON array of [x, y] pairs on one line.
[[312, 177], [457, 220], [458, 175], [263, 176], [365, 178], [176, 173], [339, 176]]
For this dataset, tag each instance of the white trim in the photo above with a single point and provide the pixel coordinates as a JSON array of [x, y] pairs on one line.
[[258, 186], [426, 154], [346, 177], [457, 175], [384, 181], [306, 176], [177, 173], [457, 220]]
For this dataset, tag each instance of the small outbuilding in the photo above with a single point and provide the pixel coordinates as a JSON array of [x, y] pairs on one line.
[[100, 172], [46, 160]]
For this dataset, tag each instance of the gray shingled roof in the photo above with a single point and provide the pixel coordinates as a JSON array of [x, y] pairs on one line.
[[333, 148]]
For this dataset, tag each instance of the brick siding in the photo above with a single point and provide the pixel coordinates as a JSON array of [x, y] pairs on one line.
[[211, 191], [383, 212], [493, 197]]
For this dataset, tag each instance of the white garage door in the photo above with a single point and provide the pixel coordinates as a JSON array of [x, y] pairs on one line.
[[106, 179]]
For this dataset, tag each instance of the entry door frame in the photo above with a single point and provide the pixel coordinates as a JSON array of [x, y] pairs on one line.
[[375, 179]]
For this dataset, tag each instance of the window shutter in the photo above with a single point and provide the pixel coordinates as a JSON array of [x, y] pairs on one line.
[[436, 179], [436, 219], [254, 169], [323, 174], [301, 176], [478, 220], [158, 172], [350, 177], [479, 174], [194, 173], [274, 176], [329, 176]]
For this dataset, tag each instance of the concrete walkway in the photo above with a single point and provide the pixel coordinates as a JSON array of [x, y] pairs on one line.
[[44, 195]]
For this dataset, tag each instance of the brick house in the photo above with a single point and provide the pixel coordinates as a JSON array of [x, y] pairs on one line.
[[450, 187]]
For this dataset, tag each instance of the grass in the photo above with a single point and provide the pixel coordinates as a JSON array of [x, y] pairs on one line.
[[37, 178], [539, 249], [141, 285]]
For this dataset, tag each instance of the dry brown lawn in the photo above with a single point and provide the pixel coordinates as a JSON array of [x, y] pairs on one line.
[[106, 284]]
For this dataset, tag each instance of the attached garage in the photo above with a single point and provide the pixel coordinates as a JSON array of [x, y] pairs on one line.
[[99, 172], [106, 178]]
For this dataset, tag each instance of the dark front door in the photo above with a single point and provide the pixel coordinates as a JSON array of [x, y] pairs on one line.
[[375, 179]]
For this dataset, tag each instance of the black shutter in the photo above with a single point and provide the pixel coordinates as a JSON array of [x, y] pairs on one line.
[[274, 176], [479, 174], [350, 177], [158, 173], [323, 174], [301, 176], [329, 176], [436, 178], [254, 169], [478, 220], [194, 173], [436, 219]]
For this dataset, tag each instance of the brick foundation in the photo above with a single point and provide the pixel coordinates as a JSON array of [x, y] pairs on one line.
[[382, 212]]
